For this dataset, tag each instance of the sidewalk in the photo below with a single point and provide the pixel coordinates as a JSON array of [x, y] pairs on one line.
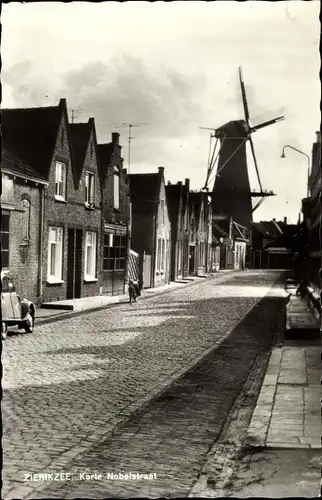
[[54, 311], [287, 414], [284, 435]]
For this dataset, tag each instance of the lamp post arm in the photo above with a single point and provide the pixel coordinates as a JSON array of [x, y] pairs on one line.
[[295, 149], [308, 163]]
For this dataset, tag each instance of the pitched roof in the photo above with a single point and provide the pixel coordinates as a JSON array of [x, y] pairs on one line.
[[145, 192], [31, 134], [80, 135], [267, 229], [13, 164], [173, 193], [197, 198]]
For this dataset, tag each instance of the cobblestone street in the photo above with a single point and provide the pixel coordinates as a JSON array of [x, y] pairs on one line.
[[67, 385]]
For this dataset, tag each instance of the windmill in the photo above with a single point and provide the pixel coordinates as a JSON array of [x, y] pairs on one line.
[[232, 194]]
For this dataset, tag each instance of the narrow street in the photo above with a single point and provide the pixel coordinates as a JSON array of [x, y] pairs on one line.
[[67, 386]]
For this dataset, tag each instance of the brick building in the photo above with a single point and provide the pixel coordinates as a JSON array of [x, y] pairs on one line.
[[70, 255], [22, 202], [176, 194], [116, 223], [314, 215], [273, 244], [151, 227], [231, 242]]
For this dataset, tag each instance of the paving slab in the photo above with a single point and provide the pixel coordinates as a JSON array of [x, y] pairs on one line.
[[292, 417]]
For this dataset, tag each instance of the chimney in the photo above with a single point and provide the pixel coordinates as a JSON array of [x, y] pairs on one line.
[[187, 183], [115, 138], [179, 183], [318, 137], [285, 220], [161, 170], [169, 183]]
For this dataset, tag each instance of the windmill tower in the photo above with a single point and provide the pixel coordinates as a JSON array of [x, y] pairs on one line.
[[232, 195]]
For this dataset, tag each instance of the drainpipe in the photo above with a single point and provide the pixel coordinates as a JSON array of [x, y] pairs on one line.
[[40, 247]]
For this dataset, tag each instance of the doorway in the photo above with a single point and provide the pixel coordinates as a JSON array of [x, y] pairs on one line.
[[191, 259], [74, 263], [70, 263]]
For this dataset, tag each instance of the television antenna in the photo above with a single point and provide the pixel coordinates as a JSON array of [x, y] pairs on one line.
[[130, 137]]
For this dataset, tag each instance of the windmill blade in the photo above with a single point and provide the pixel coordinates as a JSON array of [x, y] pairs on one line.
[[255, 162], [211, 162], [269, 122], [245, 105]]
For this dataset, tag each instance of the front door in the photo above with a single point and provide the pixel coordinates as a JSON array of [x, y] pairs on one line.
[[191, 260], [78, 263], [71, 264]]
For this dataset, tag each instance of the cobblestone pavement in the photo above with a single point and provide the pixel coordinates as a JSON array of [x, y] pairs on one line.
[[63, 384]]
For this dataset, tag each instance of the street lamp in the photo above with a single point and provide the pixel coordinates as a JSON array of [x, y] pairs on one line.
[[308, 163]]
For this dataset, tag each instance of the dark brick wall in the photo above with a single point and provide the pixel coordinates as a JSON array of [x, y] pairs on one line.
[[114, 282], [110, 214], [24, 258], [71, 214]]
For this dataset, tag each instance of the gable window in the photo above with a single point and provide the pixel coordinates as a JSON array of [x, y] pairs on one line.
[[162, 212], [25, 230], [60, 181], [89, 188], [91, 150], [62, 137], [5, 217], [116, 188], [90, 256], [55, 254]]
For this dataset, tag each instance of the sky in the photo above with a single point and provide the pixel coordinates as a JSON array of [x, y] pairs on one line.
[[171, 68]]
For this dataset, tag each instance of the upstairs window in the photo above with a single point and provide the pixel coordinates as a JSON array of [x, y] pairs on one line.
[[116, 188], [89, 188], [60, 181], [25, 230]]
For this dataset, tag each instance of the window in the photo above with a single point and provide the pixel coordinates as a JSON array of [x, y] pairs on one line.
[[25, 205], [162, 212], [91, 150], [90, 255], [60, 181], [89, 188], [5, 217], [55, 253], [62, 137], [114, 252], [159, 255], [116, 188], [179, 256], [162, 255]]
